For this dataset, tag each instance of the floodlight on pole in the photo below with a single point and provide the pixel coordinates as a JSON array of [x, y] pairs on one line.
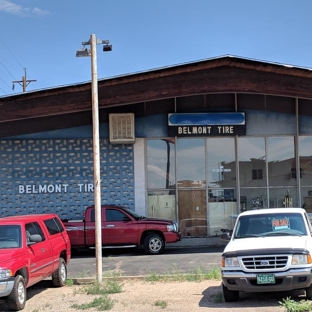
[[96, 147]]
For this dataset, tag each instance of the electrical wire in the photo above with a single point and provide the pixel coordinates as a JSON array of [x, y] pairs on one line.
[[2, 90], [6, 67], [11, 53], [7, 70]]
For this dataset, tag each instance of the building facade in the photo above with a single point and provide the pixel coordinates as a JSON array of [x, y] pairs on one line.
[[198, 143]]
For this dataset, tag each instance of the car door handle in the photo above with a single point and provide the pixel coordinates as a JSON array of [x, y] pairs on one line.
[[42, 249], [110, 225]]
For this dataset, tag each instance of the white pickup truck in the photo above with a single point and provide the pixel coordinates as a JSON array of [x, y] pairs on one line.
[[268, 250]]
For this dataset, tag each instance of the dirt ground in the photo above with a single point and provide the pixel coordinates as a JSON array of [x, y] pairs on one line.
[[139, 296]]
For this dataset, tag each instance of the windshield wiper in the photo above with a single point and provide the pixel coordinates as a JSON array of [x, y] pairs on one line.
[[282, 234]]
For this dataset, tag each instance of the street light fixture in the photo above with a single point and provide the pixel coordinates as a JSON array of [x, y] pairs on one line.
[[96, 148]]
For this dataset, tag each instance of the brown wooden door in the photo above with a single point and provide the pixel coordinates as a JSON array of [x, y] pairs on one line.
[[192, 213]]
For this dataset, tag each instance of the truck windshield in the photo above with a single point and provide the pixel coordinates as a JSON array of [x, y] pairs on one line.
[[10, 236], [133, 214], [277, 224]]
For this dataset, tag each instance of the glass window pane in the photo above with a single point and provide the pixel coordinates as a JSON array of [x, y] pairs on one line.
[[283, 197], [281, 161], [162, 204], [305, 159], [160, 164], [221, 162], [306, 193], [251, 157], [253, 198], [222, 210], [191, 163]]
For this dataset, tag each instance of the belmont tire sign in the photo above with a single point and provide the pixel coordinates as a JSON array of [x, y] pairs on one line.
[[206, 124]]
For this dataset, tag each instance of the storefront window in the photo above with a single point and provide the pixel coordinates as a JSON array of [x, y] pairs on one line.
[[222, 210], [161, 204], [251, 157], [305, 160], [160, 164], [191, 163], [253, 198], [306, 193], [281, 161], [221, 162], [283, 197]]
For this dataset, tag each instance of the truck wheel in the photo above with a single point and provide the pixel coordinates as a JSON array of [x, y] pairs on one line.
[[17, 298], [60, 275], [153, 244], [309, 292], [230, 295]]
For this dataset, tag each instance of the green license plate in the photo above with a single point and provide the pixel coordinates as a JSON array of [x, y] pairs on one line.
[[266, 279]]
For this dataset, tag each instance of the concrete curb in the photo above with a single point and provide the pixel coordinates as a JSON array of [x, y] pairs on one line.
[[90, 280]]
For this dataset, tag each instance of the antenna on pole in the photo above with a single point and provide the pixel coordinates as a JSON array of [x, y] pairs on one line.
[[24, 82]]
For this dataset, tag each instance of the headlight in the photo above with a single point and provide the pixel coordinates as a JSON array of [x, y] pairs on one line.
[[301, 259], [172, 227], [230, 262], [5, 273]]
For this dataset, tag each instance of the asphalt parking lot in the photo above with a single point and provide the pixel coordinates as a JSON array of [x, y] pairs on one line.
[[134, 262]]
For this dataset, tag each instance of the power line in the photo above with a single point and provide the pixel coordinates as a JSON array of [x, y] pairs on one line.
[[5, 83], [24, 82], [11, 52], [2, 90], [7, 70]]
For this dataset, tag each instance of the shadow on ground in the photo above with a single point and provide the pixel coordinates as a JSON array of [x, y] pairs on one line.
[[213, 298]]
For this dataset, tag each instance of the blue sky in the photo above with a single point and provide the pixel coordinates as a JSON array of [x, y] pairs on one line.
[[43, 36]]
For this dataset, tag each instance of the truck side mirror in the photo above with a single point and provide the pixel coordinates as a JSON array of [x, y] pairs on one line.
[[34, 238], [226, 236]]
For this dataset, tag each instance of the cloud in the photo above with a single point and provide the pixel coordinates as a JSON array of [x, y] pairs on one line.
[[16, 9], [39, 11]]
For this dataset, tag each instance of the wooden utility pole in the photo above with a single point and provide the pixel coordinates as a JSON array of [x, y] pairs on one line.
[[24, 82]]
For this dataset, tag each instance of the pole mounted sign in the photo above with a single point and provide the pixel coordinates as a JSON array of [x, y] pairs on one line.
[[206, 124]]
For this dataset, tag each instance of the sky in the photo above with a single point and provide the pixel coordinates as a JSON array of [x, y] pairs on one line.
[[42, 36]]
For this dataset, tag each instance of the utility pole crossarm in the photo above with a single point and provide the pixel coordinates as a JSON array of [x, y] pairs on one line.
[[24, 82]]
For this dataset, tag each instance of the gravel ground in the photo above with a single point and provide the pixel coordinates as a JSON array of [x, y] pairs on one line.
[[139, 296]]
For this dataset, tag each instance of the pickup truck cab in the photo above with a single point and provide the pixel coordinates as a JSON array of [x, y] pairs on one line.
[[121, 227], [32, 248], [268, 250]]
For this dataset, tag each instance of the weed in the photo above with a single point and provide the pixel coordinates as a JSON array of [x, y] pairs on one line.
[[161, 303], [198, 274], [112, 273], [102, 303], [218, 297], [153, 277], [293, 306], [214, 274], [110, 287], [70, 282]]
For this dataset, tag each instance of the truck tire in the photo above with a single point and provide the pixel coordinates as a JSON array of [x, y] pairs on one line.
[[230, 295], [309, 292], [60, 275], [17, 298], [153, 244]]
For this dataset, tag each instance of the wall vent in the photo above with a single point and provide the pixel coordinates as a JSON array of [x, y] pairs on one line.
[[121, 128]]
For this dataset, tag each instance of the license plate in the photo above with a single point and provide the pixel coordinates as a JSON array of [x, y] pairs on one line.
[[266, 279]]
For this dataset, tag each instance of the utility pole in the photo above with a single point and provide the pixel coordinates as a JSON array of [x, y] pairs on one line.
[[24, 82]]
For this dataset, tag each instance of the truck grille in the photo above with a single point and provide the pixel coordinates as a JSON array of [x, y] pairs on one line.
[[264, 263]]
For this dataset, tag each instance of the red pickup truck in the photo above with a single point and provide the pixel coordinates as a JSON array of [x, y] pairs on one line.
[[121, 228], [32, 248]]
